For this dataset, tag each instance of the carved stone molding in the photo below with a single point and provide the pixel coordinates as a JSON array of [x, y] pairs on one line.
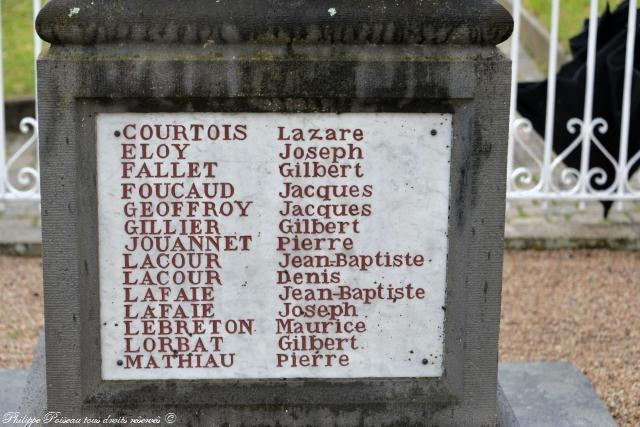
[[350, 22]]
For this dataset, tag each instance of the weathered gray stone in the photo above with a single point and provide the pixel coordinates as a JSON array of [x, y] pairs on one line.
[[529, 395], [347, 22], [552, 394], [251, 56], [12, 383], [506, 416], [34, 398]]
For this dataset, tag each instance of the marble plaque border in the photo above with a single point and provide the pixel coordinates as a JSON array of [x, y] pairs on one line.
[[328, 391]]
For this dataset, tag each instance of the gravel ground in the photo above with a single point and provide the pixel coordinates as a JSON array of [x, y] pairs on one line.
[[582, 307], [21, 315], [578, 306]]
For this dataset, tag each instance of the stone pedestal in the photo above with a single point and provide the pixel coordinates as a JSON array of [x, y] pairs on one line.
[[420, 88]]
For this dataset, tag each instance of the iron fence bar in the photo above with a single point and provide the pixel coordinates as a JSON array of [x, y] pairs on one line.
[[546, 174], [37, 43], [37, 48], [623, 161], [515, 64], [587, 120], [3, 146]]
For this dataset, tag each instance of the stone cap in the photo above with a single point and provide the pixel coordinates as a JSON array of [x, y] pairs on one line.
[[346, 22]]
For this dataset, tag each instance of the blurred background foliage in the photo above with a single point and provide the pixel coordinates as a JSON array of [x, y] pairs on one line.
[[17, 47]]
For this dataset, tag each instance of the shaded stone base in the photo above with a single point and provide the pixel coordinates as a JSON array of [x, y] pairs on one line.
[[552, 394], [530, 394], [12, 383], [34, 397]]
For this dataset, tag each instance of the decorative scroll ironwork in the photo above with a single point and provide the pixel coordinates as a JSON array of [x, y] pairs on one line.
[[25, 184], [546, 177], [20, 182]]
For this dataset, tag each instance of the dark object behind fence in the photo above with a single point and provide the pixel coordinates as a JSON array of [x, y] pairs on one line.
[[607, 102]]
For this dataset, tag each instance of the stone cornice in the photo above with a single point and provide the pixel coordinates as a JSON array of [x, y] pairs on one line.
[[97, 22]]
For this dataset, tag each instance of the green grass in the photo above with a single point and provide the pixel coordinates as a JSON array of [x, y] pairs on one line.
[[572, 15], [17, 47]]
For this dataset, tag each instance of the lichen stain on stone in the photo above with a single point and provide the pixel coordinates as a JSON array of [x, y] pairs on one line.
[[74, 11], [332, 11]]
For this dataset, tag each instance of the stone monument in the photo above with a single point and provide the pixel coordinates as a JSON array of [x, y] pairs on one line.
[[273, 212]]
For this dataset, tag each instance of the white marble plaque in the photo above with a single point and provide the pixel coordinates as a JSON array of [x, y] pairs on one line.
[[272, 245]]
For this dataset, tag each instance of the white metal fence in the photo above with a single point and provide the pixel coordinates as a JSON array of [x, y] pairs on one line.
[[19, 181], [541, 174], [533, 172]]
